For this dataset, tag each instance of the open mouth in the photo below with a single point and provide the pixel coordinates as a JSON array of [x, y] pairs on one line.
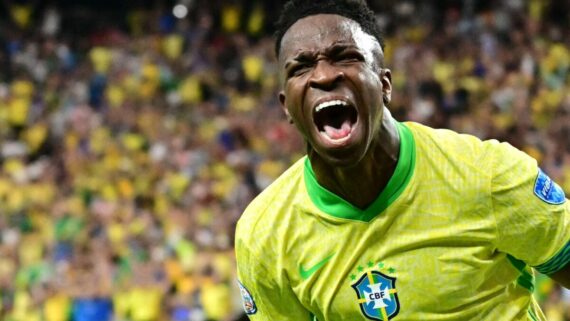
[[335, 119]]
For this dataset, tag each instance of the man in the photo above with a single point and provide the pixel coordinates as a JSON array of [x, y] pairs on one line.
[[386, 220]]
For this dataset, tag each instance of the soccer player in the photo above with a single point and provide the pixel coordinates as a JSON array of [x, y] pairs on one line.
[[386, 220]]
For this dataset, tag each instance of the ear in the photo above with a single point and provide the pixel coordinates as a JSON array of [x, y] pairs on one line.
[[386, 78], [282, 99]]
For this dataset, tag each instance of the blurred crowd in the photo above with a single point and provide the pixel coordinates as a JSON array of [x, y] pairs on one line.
[[131, 139]]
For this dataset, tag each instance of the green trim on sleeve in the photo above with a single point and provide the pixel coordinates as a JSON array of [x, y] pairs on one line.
[[526, 279], [557, 262], [532, 314], [334, 205]]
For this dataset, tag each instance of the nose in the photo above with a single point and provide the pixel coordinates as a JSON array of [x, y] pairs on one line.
[[325, 75]]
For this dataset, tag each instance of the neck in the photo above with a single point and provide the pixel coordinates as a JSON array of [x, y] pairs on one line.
[[361, 184]]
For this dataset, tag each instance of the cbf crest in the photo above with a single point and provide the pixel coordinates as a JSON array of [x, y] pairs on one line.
[[376, 293]]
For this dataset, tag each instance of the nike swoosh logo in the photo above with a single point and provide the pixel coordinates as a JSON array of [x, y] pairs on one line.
[[305, 274]]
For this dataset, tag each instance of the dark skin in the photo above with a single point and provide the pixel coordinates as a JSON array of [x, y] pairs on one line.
[[328, 58], [562, 277]]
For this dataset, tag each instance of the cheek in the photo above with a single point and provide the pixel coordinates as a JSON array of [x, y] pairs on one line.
[[295, 96], [369, 76], [370, 89]]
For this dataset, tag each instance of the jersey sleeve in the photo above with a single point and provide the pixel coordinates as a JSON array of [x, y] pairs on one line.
[[266, 293], [531, 211]]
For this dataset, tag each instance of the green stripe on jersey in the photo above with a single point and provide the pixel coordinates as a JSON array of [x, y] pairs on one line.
[[532, 314], [336, 206], [556, 263], [526, 279]]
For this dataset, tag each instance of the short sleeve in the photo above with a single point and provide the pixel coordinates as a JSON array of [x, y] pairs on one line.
[[531, 211], [266, 294]]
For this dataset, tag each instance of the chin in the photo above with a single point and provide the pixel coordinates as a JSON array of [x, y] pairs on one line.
[[347, 155], [343, 159]]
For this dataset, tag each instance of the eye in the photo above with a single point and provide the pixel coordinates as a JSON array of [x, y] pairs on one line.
[[298, 70], [350, 56]]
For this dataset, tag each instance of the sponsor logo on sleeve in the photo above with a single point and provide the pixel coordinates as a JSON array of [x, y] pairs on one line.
[[248, 304], [547, 190]]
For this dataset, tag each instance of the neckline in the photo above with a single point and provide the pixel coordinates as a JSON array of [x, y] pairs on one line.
[[335, 206]]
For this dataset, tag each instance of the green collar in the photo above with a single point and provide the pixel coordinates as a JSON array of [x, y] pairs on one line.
[[334, 205]]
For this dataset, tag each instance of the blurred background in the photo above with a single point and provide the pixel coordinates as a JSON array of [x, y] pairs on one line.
[[134, 133]]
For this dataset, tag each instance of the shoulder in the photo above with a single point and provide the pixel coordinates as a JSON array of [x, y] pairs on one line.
[[444, 139], [272, 204], [463, 147]]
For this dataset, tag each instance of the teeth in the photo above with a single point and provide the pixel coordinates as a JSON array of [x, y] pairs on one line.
[[326, 104]]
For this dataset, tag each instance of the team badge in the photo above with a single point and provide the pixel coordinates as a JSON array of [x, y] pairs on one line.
[[248, 304], [547, 190], [376, 293]]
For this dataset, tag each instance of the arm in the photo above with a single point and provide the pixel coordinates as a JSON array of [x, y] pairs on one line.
[[558, 266], [265, 290], [562, 276], [560, 273], [532, 214]]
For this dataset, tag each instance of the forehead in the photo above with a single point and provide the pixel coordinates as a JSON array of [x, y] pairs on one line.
[[317, 32]]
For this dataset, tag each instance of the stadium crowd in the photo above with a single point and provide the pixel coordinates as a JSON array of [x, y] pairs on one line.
[[131, 141]]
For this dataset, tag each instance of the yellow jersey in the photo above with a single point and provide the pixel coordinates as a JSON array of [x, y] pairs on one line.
[[456, 235]]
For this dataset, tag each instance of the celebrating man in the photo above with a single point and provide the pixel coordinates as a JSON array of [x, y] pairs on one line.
[[386, 220]]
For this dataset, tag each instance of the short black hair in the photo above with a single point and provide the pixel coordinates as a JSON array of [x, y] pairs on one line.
[[356, 10]]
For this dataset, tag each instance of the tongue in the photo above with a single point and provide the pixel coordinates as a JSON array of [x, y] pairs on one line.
[[338, 133]]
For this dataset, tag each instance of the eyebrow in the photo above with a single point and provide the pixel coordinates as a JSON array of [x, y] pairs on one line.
[[305, 56], [339, 47]]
